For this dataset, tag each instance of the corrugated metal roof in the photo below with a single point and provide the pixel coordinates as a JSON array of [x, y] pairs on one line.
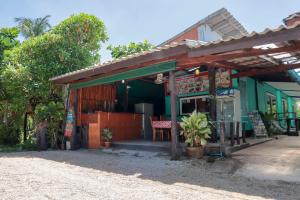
[[188, 46], [296, 14], [220, 21]]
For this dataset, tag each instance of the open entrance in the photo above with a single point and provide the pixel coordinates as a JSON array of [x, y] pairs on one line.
[[131, 105]]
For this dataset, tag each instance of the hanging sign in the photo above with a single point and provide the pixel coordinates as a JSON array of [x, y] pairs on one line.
[[69, 123], [193, 84]]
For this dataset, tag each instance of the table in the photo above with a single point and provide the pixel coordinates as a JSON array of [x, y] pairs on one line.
[[162, 125]]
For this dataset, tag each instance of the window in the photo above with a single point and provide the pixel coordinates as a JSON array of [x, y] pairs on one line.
[[271, 103], [190, 104]]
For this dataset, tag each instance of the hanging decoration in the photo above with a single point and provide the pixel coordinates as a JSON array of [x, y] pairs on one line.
[[159, 78]]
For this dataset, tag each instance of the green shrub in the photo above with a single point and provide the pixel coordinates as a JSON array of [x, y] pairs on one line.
[[29, 145], [196, 129], [9, 134]]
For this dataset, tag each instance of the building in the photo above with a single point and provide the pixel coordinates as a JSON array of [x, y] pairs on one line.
[[227, 78]]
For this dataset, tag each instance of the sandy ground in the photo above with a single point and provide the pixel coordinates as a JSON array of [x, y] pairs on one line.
[[130, 175], [274, 160]]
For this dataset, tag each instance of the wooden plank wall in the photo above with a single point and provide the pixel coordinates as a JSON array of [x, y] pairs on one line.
[[124, 126], [92, 99], [98, 98]]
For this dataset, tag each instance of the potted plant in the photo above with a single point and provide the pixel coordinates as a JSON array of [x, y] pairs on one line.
[[107, 134], [196, 130]]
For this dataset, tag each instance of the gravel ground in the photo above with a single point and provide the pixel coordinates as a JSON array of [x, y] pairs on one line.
[[129, 175]]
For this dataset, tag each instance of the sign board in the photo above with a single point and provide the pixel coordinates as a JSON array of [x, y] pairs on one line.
[[193, 84]]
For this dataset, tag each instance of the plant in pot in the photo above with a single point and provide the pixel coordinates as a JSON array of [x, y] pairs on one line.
[[107, 134], [196, 130]]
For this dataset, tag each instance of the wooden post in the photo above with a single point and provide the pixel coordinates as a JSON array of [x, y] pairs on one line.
[[243, 133], [73, 137], [212, 101], [288, 126], [174, 129], [297, 126], [237, 128], [232, 130], [222, 135]]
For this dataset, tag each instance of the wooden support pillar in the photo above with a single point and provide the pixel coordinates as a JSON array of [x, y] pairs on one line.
[[75, 103], [212, 101], [174, 130]]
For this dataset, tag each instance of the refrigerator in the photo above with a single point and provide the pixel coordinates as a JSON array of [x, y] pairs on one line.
[[146, 109]]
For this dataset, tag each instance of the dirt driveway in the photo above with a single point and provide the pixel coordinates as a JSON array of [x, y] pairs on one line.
[[274, 160], [129, 175]]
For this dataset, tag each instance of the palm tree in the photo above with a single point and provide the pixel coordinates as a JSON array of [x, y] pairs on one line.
[[33, 27]]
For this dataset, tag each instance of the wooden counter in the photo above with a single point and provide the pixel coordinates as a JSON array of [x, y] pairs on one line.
[[124, 126]]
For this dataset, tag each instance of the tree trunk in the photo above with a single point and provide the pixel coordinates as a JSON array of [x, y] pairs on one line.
[[25, 127]]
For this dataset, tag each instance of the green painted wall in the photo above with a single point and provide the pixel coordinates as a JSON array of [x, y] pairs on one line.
[[131, 74], [168, 107], [141, 92]]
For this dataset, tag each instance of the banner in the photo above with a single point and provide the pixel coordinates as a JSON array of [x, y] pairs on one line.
[[193, 84], [69, 123]]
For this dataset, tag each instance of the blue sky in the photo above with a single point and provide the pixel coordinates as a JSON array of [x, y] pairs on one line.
[[155, 20]]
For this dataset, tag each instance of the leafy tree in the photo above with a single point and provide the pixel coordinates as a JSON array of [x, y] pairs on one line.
[[14, 80], [131, 48], [71, 45], [33, 27], [8, 40], [52, 113]]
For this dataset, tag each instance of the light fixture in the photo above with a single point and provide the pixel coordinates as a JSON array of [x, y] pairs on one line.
[[197, 72], [159, 78], [123, 81]]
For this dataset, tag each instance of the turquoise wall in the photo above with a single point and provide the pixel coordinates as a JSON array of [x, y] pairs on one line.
[[262, 89]]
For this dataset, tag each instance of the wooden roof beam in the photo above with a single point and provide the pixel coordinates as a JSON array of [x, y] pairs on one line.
[[245, 53], [248, 42], [267, 70]]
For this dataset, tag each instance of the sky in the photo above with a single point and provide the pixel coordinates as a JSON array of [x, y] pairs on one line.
[[154, 20]]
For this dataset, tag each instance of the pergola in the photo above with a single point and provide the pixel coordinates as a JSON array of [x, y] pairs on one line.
[[270, 52]]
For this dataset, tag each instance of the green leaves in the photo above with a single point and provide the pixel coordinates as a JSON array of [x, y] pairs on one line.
[[125, 50], [195, 129], [26, 68], [33, 27], [8, 40]]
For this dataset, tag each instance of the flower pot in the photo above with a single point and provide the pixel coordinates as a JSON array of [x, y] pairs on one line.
[[106, 144], [195, 152]]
